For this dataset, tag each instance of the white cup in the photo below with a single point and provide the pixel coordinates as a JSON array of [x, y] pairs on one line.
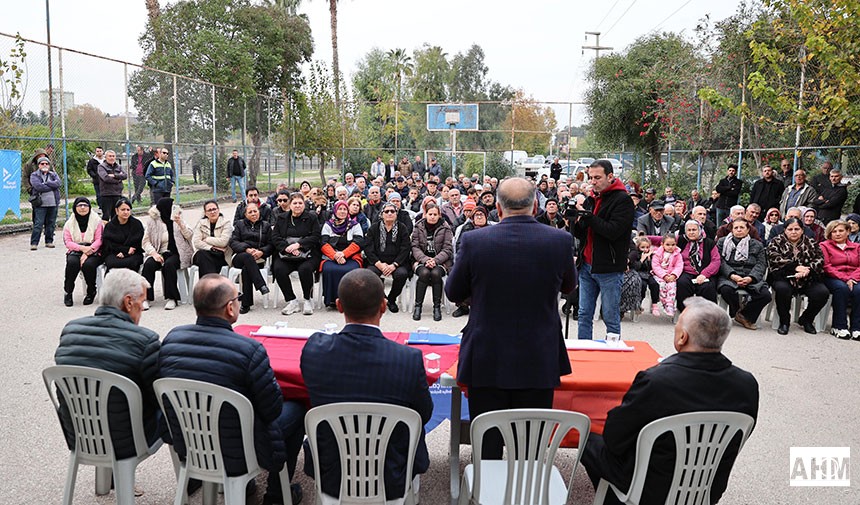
[[432, 362], [613, 337], [331, 328], [422, 330]]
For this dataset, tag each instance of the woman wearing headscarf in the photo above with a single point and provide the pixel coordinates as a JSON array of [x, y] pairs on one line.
[[167, 247], [211, 240], [433, 252], [771, 219], [743, 263], [810, 221], [387, 250], [251, 245], [342, 242], [701, 264], [122, 239], [82, 235], [796, 264], [853, 221]]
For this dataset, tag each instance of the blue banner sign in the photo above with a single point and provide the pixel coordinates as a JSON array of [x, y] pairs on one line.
[[10, 192]]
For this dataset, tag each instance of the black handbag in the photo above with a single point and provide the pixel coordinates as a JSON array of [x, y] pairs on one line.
[[35, 200], [303, 254]]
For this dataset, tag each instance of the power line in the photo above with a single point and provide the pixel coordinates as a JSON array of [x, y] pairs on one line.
[[607, 14], [620, 17], [670, 16]]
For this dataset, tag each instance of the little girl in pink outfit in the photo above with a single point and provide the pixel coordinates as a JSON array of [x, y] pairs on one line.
[[666, 266]]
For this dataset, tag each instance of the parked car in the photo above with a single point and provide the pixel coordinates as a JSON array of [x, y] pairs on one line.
[[514, 157], [530, 166]]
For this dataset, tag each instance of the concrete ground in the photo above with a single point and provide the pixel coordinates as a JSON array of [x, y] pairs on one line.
[[809, 384]]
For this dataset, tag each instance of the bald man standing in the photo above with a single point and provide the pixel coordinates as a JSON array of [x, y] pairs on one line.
[[513, 352]]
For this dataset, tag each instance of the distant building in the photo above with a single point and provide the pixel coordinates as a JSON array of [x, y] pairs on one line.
[[68, 101]]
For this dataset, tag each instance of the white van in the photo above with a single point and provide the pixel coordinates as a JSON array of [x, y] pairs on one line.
[[514, 157]]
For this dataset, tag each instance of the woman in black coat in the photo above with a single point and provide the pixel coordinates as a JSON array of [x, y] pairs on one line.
[[122, 239], [251, 246], [296, 241], [387, 248]]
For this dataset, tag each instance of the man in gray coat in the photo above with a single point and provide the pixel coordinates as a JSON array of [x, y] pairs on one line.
[[655, 223]]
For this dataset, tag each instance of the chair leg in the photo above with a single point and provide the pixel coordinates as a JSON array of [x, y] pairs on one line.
[[71, 477], [600, 492], [124, 480], [103, 478], [234, 491], [284, 475], [181, 484], [210, 494]]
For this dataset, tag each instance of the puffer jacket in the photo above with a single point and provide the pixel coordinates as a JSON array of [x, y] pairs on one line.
[[210, 351], [203, 240], [443, 242], [252, 235], [110, 341], [155, 238]]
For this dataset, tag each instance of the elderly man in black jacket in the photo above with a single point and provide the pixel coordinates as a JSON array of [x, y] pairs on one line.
[[698, 378], [210, 351], [111, 340], [831, 198], [655, 223]]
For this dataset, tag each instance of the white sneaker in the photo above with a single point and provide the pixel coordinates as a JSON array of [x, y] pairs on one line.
[[308, 308], [145, 305], [291, 308], [841, 334], [170, 305]]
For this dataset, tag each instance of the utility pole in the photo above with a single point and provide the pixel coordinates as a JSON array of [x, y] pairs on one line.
[[596, 47]]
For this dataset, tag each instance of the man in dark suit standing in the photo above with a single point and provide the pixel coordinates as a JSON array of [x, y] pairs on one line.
[[513, 352], [360, 365], [697, 378], [729, 190]]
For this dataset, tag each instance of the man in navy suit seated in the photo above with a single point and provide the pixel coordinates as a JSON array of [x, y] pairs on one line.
[[360, 365], [513, 353]]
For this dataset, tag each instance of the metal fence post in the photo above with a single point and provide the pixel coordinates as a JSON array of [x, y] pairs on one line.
[[175, 138], [62, 128], [214, 151], [127, 145]]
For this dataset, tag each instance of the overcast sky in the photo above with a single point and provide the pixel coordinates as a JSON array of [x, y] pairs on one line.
[[533, 45]]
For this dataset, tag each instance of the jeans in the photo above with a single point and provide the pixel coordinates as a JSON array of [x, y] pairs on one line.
[[841, 296], [721, 215], [44, 217], [234, 180], [608, 287]]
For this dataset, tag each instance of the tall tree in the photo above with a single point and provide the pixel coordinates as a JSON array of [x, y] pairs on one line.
[[319, 129], [252, 51], [534, 122], [335, 67], [402, 64]]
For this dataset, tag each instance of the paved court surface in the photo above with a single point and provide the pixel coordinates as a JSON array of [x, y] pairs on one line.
[[810, 394]]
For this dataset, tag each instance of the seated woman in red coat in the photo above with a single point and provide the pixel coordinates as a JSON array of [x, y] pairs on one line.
[[842, 278]]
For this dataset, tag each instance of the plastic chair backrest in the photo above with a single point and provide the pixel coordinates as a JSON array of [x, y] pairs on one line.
[[701, 438], [362, 432], [198, 407], [532, 438], [86, 391]]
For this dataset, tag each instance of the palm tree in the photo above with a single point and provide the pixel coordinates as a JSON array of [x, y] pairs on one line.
[[402, 63]]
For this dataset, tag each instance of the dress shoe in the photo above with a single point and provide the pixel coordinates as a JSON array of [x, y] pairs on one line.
[[463, 311], [437, 313], [809, 328], [264, 290], [741, 320], [67, 300], [89, 299], [392, 307], [244, 309], [416, 313], [783, 329], [565, 309]]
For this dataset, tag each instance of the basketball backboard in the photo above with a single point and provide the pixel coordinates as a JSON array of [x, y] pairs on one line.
[[462, 116]]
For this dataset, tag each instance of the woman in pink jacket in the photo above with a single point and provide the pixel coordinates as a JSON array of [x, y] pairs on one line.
[[842, 278], [666, 266], [82, 235]]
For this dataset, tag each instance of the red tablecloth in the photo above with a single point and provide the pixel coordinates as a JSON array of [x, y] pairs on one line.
[[598, 380], [285, 355]]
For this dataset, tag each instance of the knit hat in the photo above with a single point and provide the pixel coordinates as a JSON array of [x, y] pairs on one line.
[[469, 205], [853, 217], [43, 159], [482, 210], [394, 196]]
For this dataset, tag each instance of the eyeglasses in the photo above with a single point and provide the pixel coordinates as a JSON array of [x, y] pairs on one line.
[[44, 163], [234, 299], [281, 200], [214, 209], [389, 211], [82, 204]]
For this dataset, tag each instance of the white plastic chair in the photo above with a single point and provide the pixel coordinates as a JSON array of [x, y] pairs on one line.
[[85, 391], [411, 285], [799, 302], [701, 438], [235, 274], [362, 432], [532, 438], [197, 406]]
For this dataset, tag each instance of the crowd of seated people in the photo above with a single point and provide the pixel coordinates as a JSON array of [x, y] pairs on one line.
[[365, 222], [785, 243]]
